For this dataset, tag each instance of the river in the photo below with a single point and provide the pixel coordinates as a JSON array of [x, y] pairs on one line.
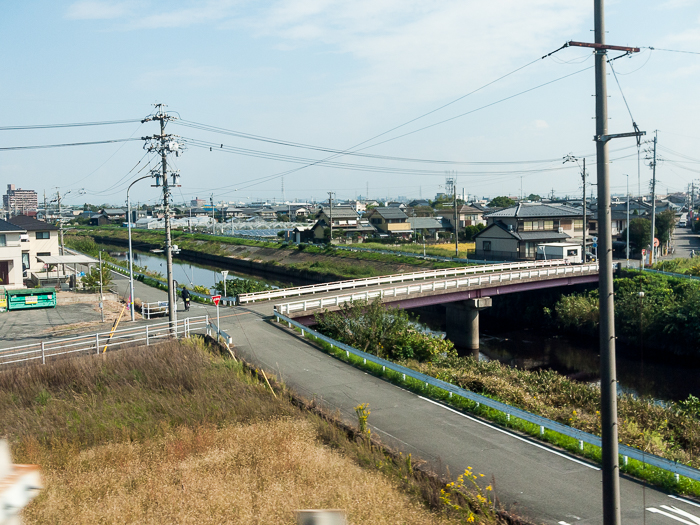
[[662, 379]]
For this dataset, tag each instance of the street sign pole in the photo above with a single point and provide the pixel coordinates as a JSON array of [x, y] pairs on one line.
[[217, 300]]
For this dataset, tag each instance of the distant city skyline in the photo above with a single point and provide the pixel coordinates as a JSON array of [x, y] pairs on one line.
[[333, 75]]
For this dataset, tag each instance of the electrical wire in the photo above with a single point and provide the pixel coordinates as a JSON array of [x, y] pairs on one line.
[[45, 146], [673, 50], [71, 125]]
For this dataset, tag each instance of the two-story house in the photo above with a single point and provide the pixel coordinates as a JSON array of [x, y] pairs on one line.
[[342, 218], [466, 215], [515, 232], [11, 255], [41, 239], [392, 221]]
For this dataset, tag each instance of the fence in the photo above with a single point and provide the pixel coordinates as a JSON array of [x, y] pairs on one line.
[[389, 279], [150, 310], [100, 342], [445, 285], [678, 469]]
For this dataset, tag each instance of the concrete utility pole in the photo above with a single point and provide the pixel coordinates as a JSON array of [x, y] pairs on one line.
[[60, 222], [456, 220], [583, 176], [608, 367], [330, 204], [608, 373], [653, 204], [165, 144]]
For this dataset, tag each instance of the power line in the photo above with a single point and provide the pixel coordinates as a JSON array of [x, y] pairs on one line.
[[45, 146], [71, 125], [673, 50]]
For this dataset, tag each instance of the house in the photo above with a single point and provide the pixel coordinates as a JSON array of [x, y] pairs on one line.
[[98, 219], [11, 255], [426, 227], [467, 216], [391, 221], [114, 214], [41, 240], [345, 219], [515, 232]]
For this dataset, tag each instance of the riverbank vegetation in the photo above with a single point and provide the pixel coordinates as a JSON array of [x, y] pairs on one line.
[[666, 316], [670, 430], [387, 333], [182, 434]]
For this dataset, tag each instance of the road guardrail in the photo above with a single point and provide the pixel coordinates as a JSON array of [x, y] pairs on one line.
[[433, 286], [678, 469], [102, 341], [390, 279]]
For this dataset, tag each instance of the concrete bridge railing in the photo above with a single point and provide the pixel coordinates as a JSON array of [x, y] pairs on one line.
[[437, 285], [395, 278]]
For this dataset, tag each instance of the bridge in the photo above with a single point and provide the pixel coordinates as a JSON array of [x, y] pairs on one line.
[[465, 291]]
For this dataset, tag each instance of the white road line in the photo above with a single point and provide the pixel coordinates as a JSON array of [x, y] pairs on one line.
[[684, 500], [676, 518], [510, 434], [683, 513], [564, 523]]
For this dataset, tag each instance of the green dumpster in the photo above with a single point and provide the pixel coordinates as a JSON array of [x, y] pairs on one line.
[[31, 298]]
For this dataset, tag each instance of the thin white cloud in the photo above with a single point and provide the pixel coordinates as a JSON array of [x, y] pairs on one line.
[[187, 73], [540, 124], [98, 10]]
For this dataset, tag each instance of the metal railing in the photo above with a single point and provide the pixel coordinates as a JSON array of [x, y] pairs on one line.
[[437, 285], [213, 329], [390, 279], [678, 469], [101, 341], [158, 308]]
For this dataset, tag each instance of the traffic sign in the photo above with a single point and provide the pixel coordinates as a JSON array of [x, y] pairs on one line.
[[216, 299], [644, 252], [594, 245], [656, 242]]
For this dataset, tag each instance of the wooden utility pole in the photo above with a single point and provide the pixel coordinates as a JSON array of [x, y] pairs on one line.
[[330, 204]]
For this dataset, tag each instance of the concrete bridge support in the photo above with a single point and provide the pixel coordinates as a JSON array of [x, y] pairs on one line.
[[463, 321]]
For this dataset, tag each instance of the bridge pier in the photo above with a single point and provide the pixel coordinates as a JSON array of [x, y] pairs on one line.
[[463, 321]]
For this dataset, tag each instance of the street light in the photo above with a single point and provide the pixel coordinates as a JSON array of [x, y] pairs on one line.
[[131, 252]]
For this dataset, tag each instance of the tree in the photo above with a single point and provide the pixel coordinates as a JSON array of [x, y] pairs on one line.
[[501, 202], [640, 233], [665, 222], [92, 279], [534, 197]]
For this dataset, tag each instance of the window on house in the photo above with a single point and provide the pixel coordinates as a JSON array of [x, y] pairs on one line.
[[549, 225], [43, 235], [578, 225], [487, 246], [530, 249], [43, 254], [592, 226], [3, 239], [571, 253]]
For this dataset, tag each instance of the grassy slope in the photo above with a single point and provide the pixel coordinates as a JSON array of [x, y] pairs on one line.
[[178, 435]]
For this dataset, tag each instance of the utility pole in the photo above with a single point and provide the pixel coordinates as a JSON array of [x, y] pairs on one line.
[[454, 186], [60, 222], [571, 158], [608, 373], [653, 203], [330, 204], [165, 144]]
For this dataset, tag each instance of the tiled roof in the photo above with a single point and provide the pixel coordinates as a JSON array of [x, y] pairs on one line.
[[340, 213], [390, 213], [425, 223], [541, 236], [8, 227], [537, 210], [31, 224]]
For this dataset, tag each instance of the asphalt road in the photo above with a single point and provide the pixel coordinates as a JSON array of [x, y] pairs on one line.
[[529, 478]]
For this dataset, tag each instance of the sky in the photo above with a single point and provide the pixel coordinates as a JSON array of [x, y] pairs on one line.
[[362, 77]]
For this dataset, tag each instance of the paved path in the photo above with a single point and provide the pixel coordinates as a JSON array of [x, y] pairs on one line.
[[530, 478]]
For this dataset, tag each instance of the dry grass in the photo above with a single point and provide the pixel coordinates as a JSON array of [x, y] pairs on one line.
[[245, 474], [176, 434]]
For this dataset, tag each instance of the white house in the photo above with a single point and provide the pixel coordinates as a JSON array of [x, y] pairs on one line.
[[11, 255], [41, 240]]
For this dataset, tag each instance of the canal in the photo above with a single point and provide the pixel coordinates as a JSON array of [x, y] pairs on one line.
[[658, 375]]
